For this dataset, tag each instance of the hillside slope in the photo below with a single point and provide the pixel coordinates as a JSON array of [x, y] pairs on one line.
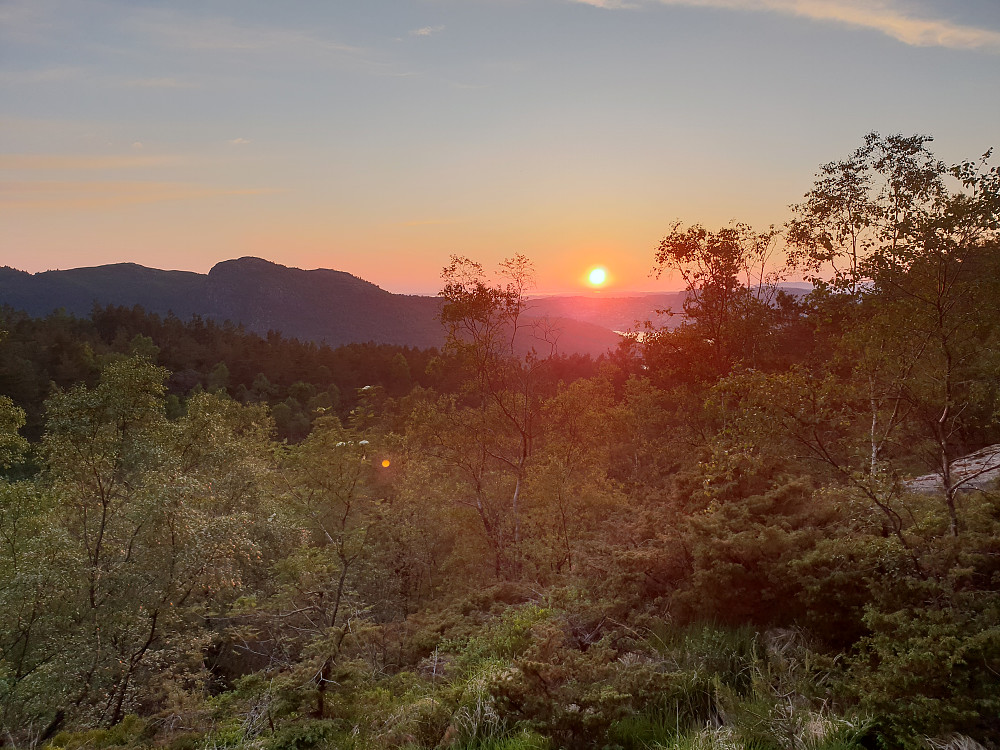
[[320, 305]]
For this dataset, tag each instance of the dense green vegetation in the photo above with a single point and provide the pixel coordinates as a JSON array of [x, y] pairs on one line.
[[706, 540]]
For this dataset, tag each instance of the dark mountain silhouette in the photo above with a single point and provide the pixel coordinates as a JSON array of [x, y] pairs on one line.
[[320, 305], [76, 290]]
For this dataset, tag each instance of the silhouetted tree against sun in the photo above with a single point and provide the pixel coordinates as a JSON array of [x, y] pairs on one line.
[[731, 284]]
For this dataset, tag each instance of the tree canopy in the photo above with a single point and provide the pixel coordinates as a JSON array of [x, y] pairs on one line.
[[712, 537]]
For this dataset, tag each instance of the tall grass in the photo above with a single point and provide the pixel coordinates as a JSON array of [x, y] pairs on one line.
[[735, 688]]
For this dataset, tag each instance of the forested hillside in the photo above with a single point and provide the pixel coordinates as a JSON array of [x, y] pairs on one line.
[[210, 539], [323, 306]]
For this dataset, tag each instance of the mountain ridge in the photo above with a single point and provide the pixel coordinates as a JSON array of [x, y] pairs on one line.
[[323, 305]]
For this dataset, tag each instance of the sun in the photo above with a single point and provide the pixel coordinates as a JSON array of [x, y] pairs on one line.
[[597, 276]]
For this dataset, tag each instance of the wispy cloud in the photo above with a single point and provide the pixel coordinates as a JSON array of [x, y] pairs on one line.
[[58, 74], [243, 43], [72, 163], [157, 83], [224, 34], [609, 4], [90, 195], [431, 222], [239, 141], [427, 31], [77, 74], [890, 17], [29, 20]]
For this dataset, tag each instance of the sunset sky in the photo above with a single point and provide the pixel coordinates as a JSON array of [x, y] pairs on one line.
[[381, 136]]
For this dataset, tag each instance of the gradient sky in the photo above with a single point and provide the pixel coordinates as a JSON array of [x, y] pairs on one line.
[[381, 136]]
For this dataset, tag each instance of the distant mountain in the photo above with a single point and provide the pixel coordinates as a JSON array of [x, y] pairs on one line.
[[320, 305], [629, 313], [614, 313], [129, 284]]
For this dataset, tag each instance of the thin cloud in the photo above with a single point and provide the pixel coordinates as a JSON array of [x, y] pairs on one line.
[[57, 162], [77, 74], [427, 31], [609, 4], [431, 222], [90, 195], [222, 34], [29, 20], [57, 74], [228, 36], [239, 141], [237, 42], [887, 16], [157, 83]]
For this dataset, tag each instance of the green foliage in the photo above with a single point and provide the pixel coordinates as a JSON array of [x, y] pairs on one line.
[[649, 729], [726, 654], [715, 545], [130, 732], [730, 284], [148, 520], [12, 445], [930, 665], [304, 736], [37, 566], [819, 735], [501, 640], [742, 550], [520, 740]]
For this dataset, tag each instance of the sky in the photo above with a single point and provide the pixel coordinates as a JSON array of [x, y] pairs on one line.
[[380, 137]]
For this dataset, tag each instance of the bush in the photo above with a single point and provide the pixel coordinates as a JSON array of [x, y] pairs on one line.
[[930, 669], [304, 736], [129, 732]]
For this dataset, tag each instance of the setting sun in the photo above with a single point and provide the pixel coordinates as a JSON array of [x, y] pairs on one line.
[[598, 276]]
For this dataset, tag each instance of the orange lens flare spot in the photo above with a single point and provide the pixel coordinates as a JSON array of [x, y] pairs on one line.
[[385, 463], [598, 276]]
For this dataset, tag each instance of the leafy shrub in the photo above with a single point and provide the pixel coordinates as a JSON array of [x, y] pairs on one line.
[[502, 639], [304, 736], [930, 669], [650, 728], [129, 732], [522, 740], [415, 717], [185, 741]]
